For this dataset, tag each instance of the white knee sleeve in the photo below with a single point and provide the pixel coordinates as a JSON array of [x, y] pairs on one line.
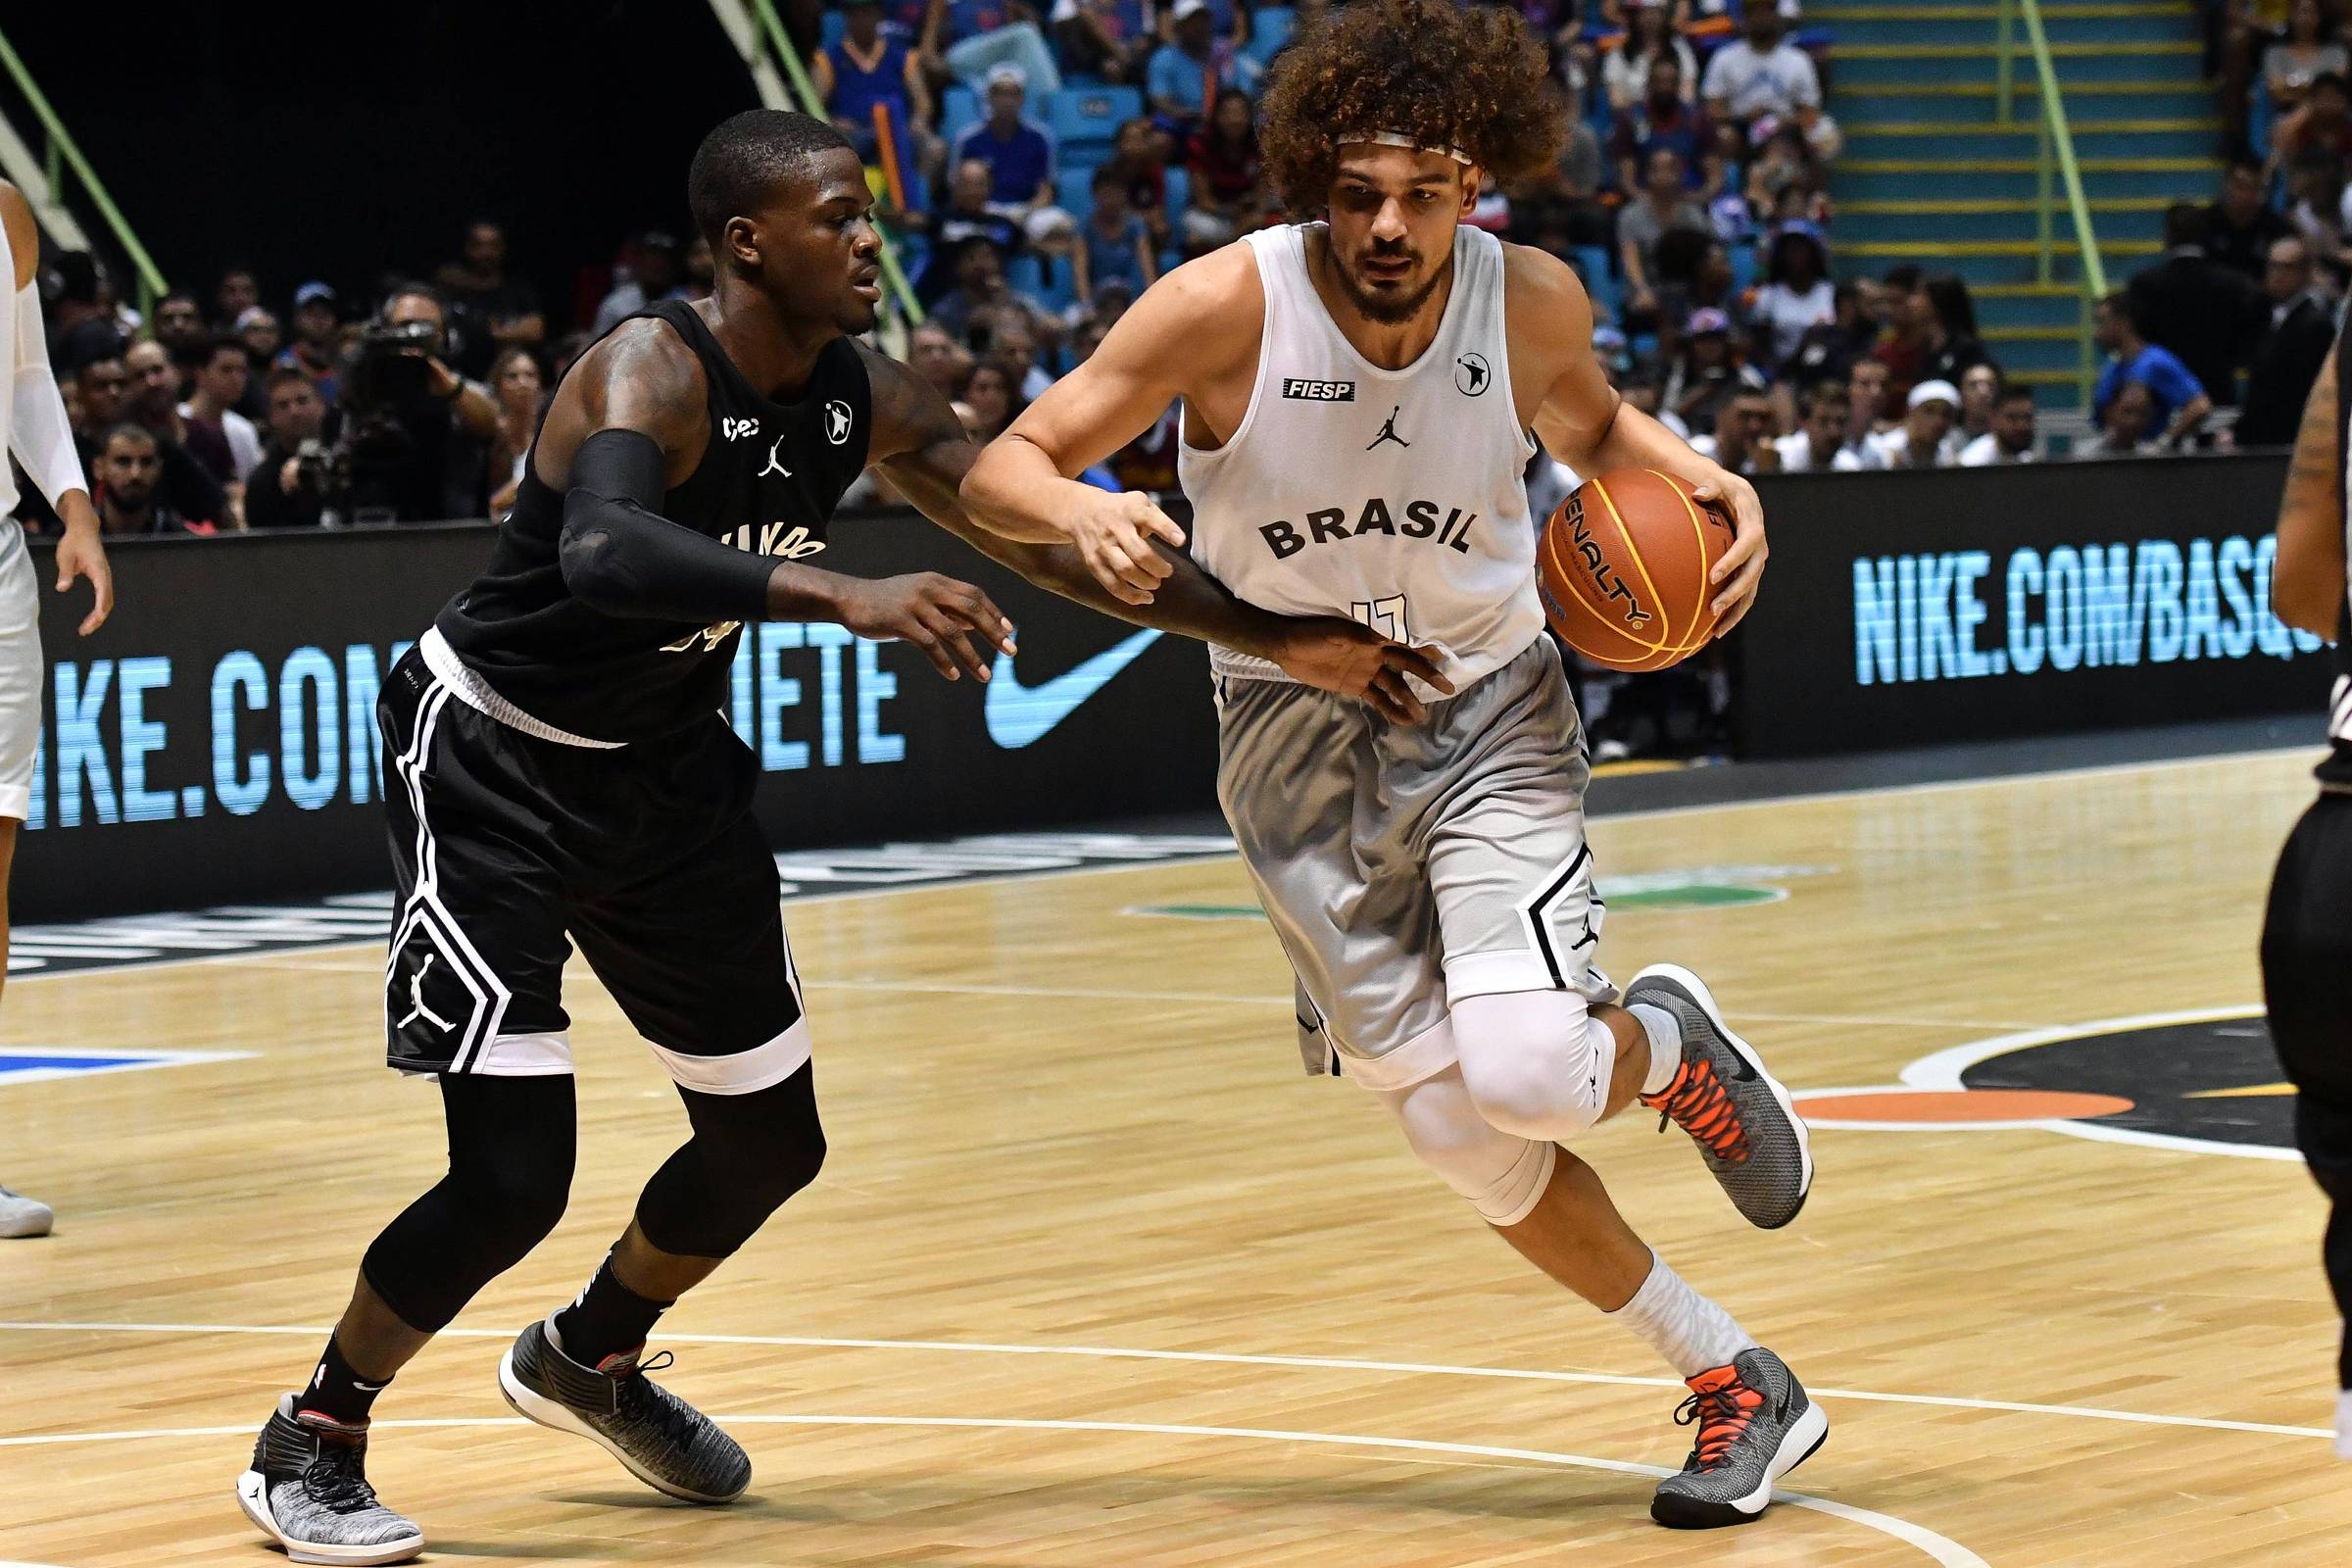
[[1503, 1176], [1537, 1062]]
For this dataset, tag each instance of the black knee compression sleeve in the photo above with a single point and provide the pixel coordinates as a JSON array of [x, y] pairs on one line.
[[748, 1154], [510, 1142]]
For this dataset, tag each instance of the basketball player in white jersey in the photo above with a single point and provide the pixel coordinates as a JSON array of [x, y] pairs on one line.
[[1358, 398], [34, 418]]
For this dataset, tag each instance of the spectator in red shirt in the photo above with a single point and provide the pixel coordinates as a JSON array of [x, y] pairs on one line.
[[1224, 163], [1137, 158]]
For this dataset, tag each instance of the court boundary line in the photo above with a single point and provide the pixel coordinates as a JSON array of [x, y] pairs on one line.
[[1940, 1548], [1237, 1358], [1640, 815]]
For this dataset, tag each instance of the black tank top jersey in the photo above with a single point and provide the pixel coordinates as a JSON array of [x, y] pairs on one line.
[[2336, 771], [769, 482]]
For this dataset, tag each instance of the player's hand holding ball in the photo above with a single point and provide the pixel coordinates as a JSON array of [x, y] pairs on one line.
[[936, 614], [1113, 534], [1639, 569], [1738, 575], [1353, 660]]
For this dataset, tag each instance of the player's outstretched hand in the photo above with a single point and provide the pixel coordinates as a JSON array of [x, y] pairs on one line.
[[1342, 656], [1113, 534], [938, 614], [1741, 572], [81, 555]]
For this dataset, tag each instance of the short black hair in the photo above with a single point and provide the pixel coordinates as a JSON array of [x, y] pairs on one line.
[[78, 277], [201, 353], [2015, 392], [179, 295], [2185, 224], [745, 155], [130, 428], [1904, 276], [2118, 300], [1823, 393], [287, 372]]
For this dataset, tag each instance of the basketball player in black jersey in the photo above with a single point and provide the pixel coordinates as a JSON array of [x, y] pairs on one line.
[[2306, 936], [561, 774]]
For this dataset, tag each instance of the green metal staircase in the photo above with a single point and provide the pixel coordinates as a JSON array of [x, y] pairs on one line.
[[1951, 162]]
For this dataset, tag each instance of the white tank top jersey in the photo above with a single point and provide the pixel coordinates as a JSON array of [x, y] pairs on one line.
[[9, 495], [1389, 497]]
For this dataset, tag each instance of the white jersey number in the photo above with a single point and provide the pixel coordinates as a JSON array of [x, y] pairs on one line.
[[1384, 616]]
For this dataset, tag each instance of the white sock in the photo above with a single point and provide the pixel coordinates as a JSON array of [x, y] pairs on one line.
[[1691, 1332], [1665, 1033], [2343, 1425]]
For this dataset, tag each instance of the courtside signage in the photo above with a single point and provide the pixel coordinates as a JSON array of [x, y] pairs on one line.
[[1980, 604]]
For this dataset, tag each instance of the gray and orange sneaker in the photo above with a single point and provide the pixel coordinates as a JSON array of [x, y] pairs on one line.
[[1753, 1142], [1756, 1425]]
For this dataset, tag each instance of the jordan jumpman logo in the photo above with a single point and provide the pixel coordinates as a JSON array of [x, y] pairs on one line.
[[417, 996], [1388, 429]]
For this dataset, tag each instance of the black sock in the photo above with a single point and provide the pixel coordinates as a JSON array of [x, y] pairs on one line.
[[607, 1320], [338, 1393]]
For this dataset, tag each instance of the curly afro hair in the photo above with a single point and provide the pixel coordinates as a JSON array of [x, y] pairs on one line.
[[1446, 75]]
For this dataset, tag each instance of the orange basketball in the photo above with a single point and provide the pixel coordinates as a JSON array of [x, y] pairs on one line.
[[1622, 569]]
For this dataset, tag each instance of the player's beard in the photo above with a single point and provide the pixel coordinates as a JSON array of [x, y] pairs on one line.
[[1388, 310]]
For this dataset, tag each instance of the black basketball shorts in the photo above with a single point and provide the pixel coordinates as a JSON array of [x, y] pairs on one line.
[[507, 847]]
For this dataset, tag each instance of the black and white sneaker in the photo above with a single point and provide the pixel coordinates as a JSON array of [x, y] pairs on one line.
[[308, 1490], [1756, 1425], [1748, 1133], [665, 1442]]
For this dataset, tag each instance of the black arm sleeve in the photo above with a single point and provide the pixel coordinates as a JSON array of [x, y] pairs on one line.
[[622, 558]]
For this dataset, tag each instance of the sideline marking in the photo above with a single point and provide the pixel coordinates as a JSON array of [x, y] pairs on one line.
[[1204, 856], [1942, 1549], [1236, 1358]]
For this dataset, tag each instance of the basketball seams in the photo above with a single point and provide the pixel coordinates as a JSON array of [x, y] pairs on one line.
[[1599, 618], [1633, 548], [1698, 532]]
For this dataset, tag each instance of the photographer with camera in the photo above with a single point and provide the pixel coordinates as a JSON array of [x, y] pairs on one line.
[[413, 432], [287, 489]]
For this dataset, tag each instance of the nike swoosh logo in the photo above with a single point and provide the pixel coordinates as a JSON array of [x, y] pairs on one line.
[[370, 1388], [1019, 715]]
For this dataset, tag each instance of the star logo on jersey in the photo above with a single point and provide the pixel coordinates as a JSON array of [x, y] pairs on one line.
[[837, 422], [1471, 375], [775, 462], [1388, 430]]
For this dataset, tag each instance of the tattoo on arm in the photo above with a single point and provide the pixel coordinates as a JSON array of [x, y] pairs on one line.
[[2315, 475]]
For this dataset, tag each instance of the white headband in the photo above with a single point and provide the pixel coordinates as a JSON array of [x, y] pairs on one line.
[[1398, 138]]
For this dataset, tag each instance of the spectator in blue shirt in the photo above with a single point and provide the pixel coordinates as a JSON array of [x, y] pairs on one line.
[[1187, 74], [2180, 403], [979, 35], [875, 65], [1019, 154], [1113, 240]]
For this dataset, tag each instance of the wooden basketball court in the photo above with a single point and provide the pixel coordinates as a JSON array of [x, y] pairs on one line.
[[1095, 1278]]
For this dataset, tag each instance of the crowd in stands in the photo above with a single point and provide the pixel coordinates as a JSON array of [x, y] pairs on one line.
[[1039, 168]]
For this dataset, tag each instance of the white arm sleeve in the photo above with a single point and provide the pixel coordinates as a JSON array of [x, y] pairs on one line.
[[38, 434]]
